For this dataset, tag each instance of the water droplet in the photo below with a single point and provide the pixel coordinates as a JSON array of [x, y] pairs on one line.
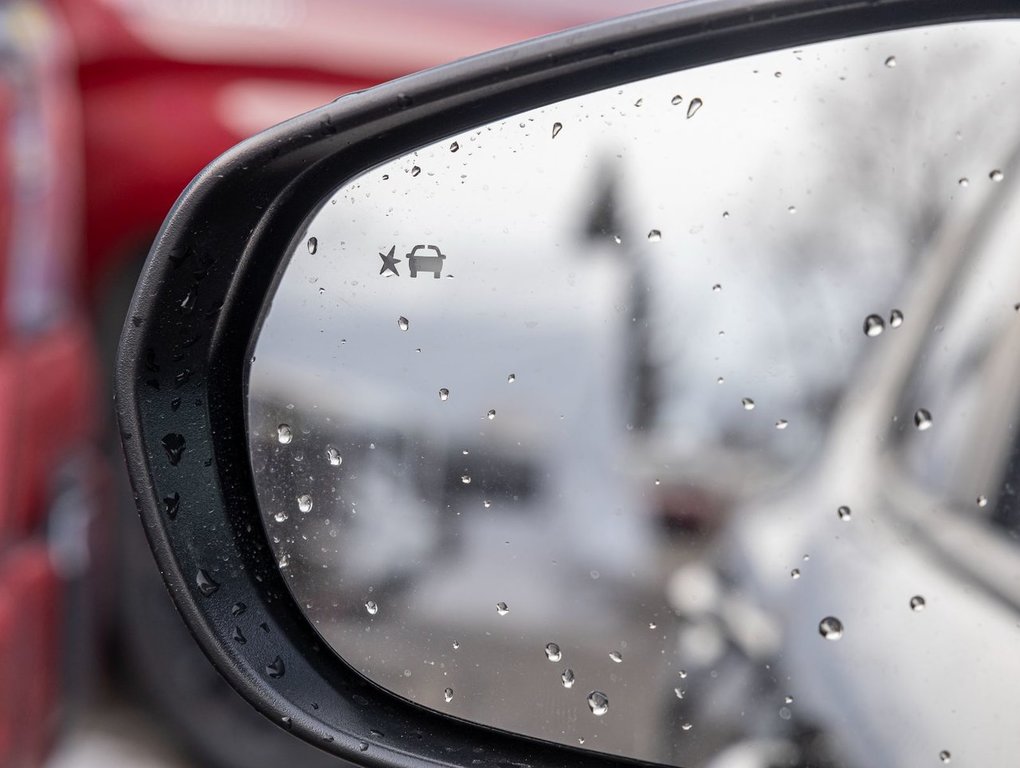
[[284, 434], [598, 703], [944, 756], [717, 288], [557, 127], [371, 607], [964, 181], [676, 99], [304, 503], [830, 628], [486, 503], [777, 74], [363, 746], [782, 424], [795, 573], [996, 175], [466, 479], [402, 323], [748, 404], [284, 561], [511, 378], [173, 444], [444, 394], [448, 695], [502, 609], [415, 170], [456, 645], [237, 609], [277, 669], [205, 583], [654, 235], [171, 505], [693, 107], [313, 245], [491, 414], [788, 699], [280, 517], [686, 727], [791, 209], [873, 325], [843, 512], [982, 501], [683, 674], [616, 656], [652, 625], [639, 102], [679, 692], [335, 459], [891, 62], [895, 318], [553, 652], [454, 147], [922, 419], [917, 603], [567, 678]]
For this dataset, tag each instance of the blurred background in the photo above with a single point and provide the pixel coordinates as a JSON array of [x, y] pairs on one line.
[[107, 109]]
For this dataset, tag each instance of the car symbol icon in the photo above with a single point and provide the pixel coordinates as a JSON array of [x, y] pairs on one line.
[[419, 260]]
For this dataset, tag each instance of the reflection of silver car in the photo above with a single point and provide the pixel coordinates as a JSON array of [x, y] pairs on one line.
[[923, 572], [419, 261]]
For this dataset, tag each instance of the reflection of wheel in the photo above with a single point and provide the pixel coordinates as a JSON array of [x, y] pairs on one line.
[[159, 661]]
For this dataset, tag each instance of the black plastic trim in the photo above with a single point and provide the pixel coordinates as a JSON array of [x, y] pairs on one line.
[[183, 353]]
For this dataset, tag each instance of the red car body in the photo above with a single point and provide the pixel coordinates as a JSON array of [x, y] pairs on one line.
[[108, 108]]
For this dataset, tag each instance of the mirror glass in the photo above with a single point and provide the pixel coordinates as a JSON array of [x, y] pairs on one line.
[[675, 421]]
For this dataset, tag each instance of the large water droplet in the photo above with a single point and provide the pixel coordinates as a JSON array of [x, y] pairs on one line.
[[454, 146], [782, 424], [843, 512], [917, 603], [444, 394], [173, 444], [654, 235], [944, 756], [491, 414], [830, 628], [371, 607], [448, 695], [501, 608], [616, 656], [873, 325], [891, 62], [557, 127], [511, 378], [982, 501], [415, 170], [553, 652], [284, 434], [277, 669], [895, 318], [963, 181], [996, 175], [304, 503], [748, 404], [313, 245], [922, 419], [795, 573], [693, 107], [676, 99], [335, 459], [598, 703], [205, 583], [402, 323]]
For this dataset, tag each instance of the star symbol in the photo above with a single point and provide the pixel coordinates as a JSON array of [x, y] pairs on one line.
[[389, 263]]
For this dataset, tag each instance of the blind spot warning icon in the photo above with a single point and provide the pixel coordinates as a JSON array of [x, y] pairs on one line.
[[425, 258]]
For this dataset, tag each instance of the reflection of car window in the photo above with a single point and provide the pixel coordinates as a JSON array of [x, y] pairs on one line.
[[966, 373]]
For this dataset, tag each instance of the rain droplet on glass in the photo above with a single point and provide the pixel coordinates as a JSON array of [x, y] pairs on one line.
[[873, 325], [304, 503], [676, 99], [598, 703], [843, 512], [448, 695], [917, 603], [748, 404], [616, 656], [922, 419], [444, 394], [693, 107], [502, 609], [996, 175], [830, 628], [557, 127], [313, 245], [895, 319], [335, 459], [372, 607], [567, 678], [891, 62], [402, 323], [553, 652], [284, 434], [654, 235]]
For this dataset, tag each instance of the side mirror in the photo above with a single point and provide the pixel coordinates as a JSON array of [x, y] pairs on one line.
[[641, 393]]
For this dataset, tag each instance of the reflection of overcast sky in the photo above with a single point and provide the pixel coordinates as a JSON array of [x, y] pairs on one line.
[[509, 207], [868, 155]]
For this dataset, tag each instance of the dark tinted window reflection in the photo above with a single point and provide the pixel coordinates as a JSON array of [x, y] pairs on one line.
[[655, 421]]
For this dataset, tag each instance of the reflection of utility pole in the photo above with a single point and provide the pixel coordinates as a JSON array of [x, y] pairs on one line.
[[603, 225]]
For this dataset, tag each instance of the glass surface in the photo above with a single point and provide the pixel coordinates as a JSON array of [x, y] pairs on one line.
[[676, 421]]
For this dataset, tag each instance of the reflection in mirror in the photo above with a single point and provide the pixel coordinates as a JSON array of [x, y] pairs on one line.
[[675, 421]]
